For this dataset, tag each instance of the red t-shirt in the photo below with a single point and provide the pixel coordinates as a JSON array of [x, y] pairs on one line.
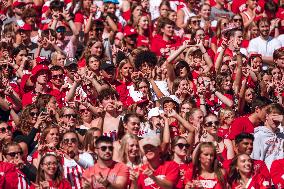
[[223, 133], [116, 170], [240, 125], [143, 40], [257, 181], [161, 47], [182, 170], [206, 183], [64, 184], [277, 173], [168, 170]]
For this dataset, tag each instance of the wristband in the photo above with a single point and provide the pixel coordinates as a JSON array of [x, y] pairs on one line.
[[202, 104], [214, 91], [68, 20]]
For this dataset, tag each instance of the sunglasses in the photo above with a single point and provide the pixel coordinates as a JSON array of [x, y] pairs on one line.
[[181, 145], [5, 130], [237, 20], [195, 21], [70, 115], [274, 73], [60, 76], [60, 30], [4, 66], [104, 148], [83, 110], [13, 154], [33, 114], [211, 123], [70, 140]]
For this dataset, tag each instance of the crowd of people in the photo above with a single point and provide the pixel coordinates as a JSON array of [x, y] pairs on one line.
[[142, 94]]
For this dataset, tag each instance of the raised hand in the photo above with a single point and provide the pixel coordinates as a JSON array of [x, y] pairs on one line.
[[102, 180]]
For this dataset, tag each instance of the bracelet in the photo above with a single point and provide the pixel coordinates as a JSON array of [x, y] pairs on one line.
[[68, 20], [204, 53], [214, 91], [202, 104]]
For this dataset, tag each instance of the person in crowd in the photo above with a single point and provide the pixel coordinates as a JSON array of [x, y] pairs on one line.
[[241, 174], [160, 173], [180, 72], [256, 45], [272, 150], [106, 172], [50, 173], [181, 156], [248, 123], [205, 172]]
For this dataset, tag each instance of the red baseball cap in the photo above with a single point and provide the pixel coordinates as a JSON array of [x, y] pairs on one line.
[[38, 69], [18, 3], [42, 60], [128, 31]]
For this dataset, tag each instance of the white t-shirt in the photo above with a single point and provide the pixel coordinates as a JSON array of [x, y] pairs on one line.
[[264, 47], [154, 8], [281, 39]]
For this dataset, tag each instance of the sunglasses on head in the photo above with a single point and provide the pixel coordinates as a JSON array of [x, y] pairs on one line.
[[211, 123], [4, 130], [33, 114], [69, 140], [60, 76], [13, 154], [104, 148], [181, 145], [70, 115]]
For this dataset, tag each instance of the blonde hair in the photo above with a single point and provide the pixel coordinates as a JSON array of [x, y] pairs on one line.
[[124, 144], [224, 112]]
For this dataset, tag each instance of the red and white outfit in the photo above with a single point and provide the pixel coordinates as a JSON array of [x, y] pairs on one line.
[[167, 170], [206, 183], [277, 173], [73, 173], [256, 182], [8, 175], [163, 48]]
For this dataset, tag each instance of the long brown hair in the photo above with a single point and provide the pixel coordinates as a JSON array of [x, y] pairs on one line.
[[24, 125], [216, 167], [234, 174], [57, 177], [124, 143]]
